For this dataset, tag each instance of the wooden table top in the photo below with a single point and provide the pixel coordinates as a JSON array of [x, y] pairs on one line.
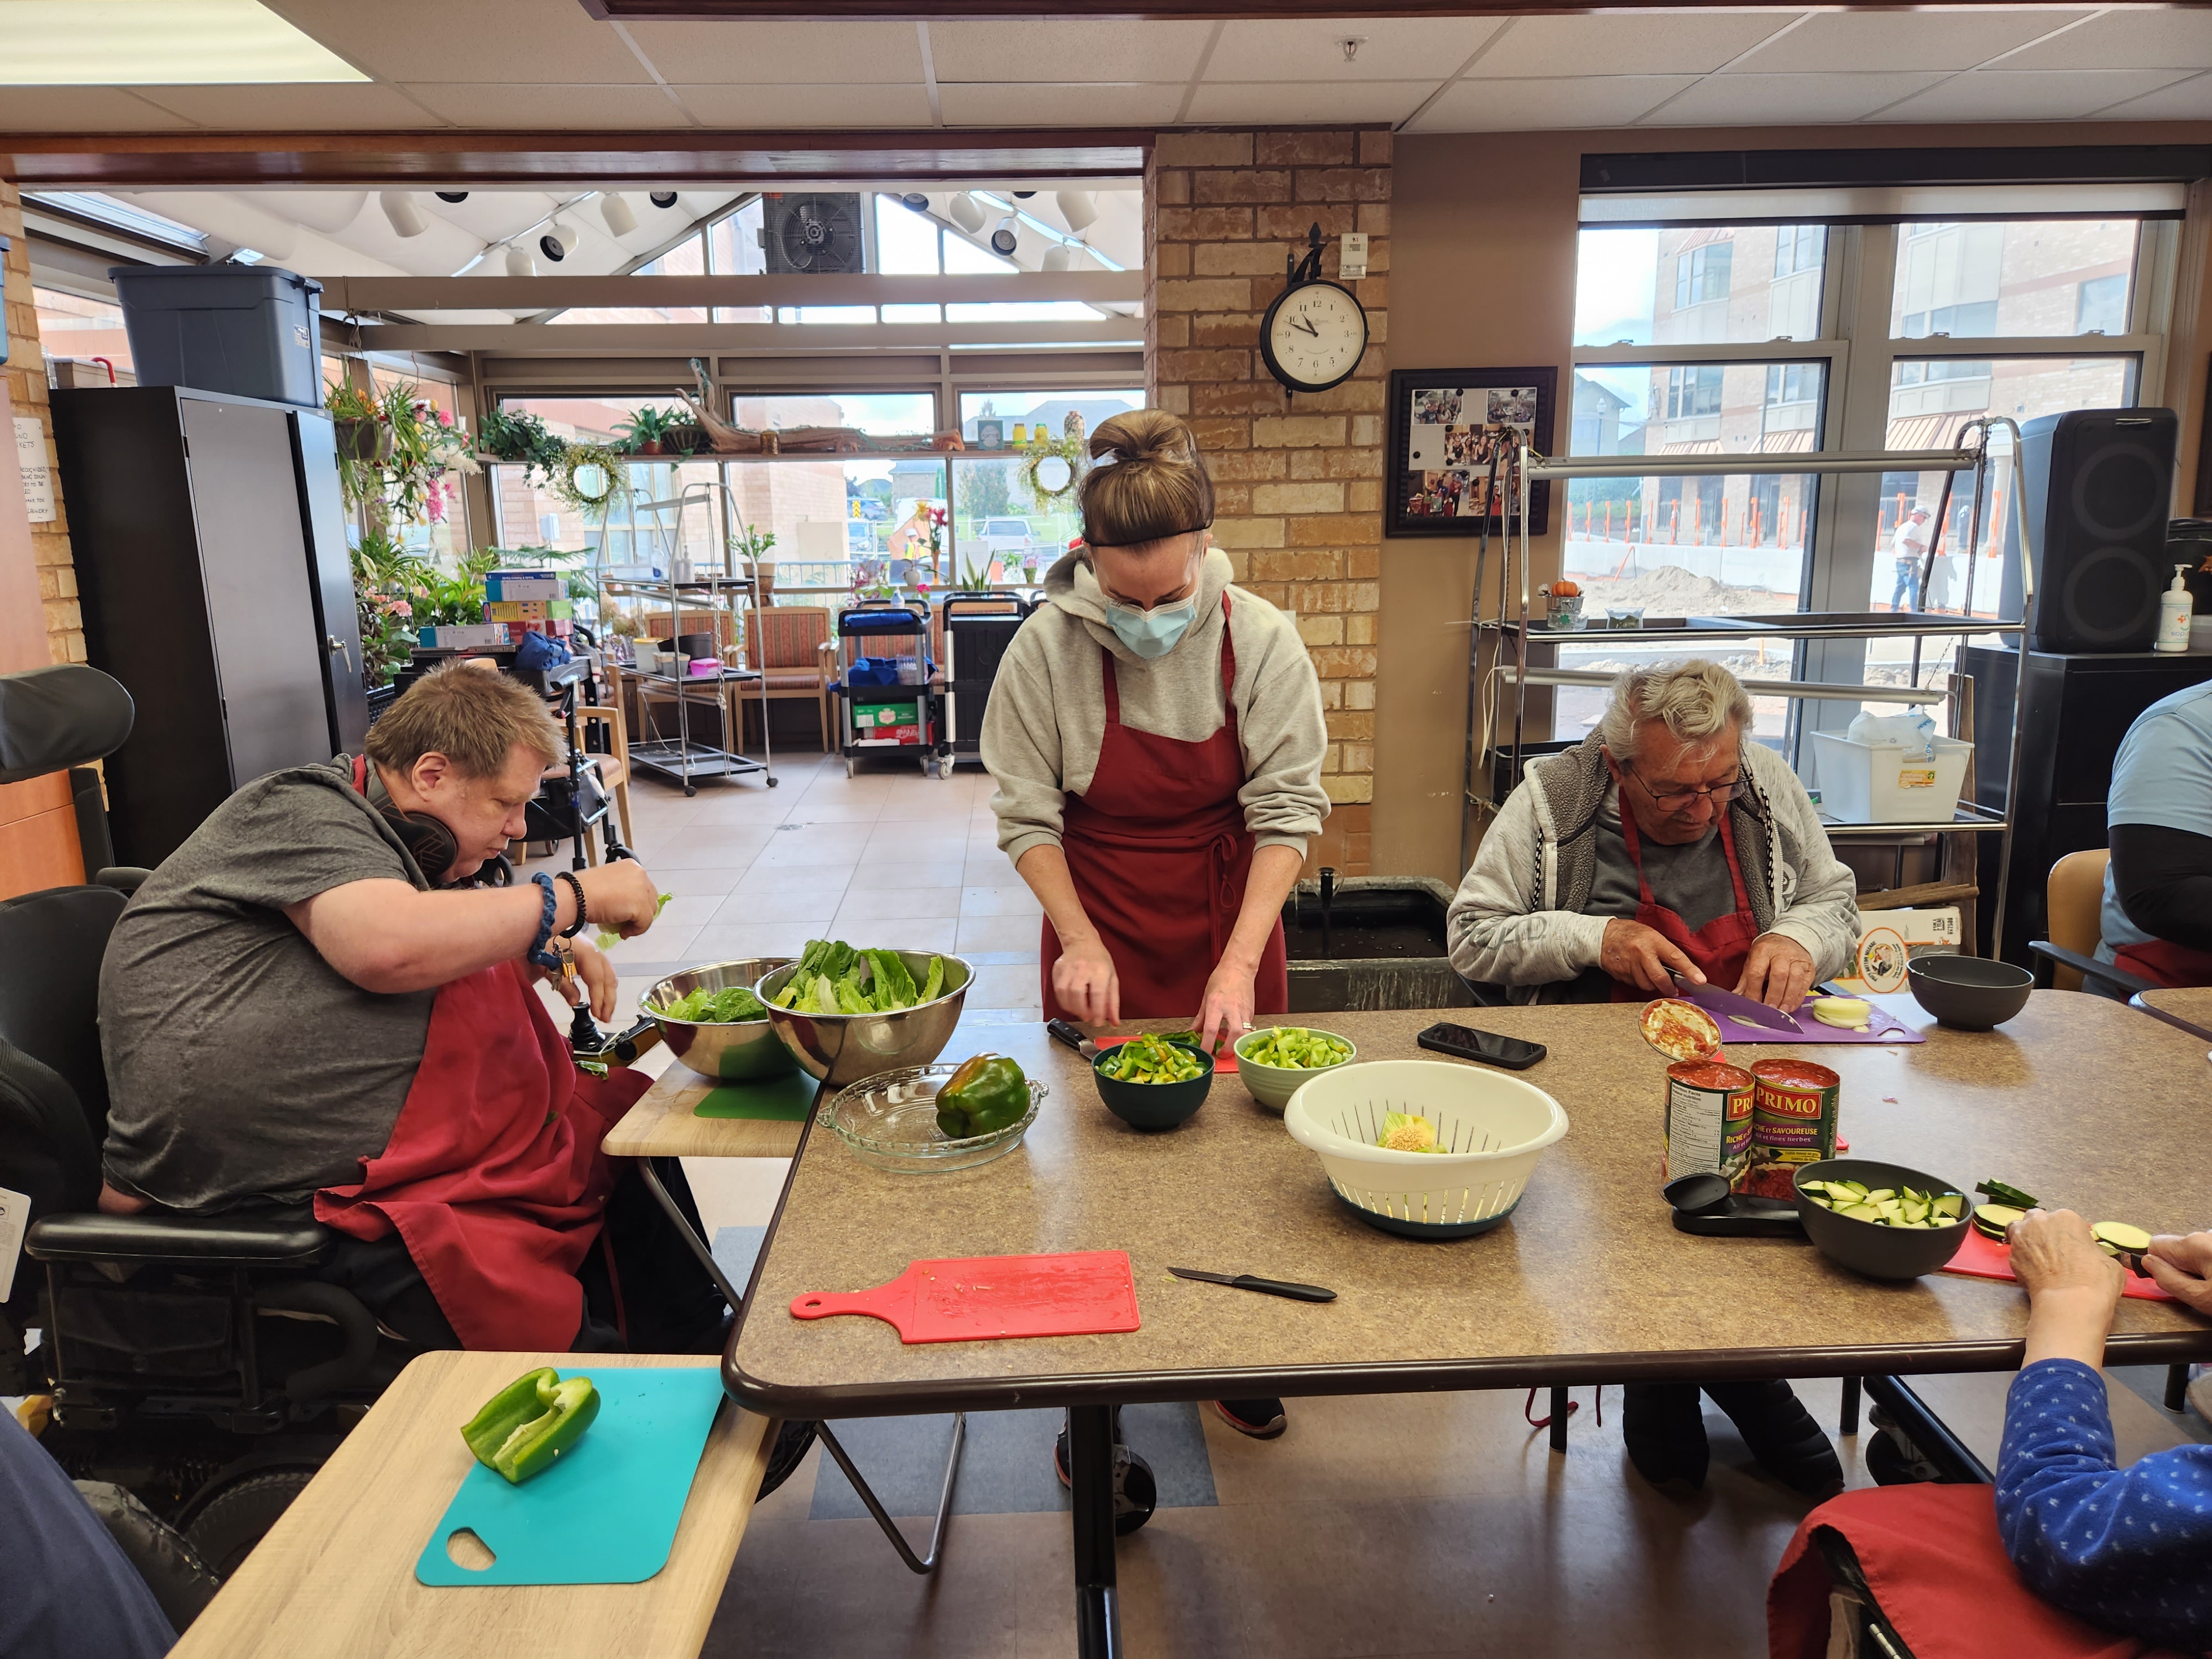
[[2075, 1098], [2187, 1006], [335, 1577], [665, 1123]]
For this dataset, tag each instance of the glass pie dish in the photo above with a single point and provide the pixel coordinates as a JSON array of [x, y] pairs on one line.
[[890, 1121]]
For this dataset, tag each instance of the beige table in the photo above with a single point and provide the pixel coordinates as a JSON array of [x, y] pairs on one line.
[[2187, 1008], [335, 1578], [1589, 1281], [665, 1123]]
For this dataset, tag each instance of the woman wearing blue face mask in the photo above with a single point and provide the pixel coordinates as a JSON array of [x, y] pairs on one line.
[[1157, 739]]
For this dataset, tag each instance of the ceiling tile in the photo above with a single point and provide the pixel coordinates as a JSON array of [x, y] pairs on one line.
[[1902, 42], [2127, 40], [2028, 94], [1068, 105], [800, 54], [295, 108], [1735, 100], [1066, 49], [525, 41], [80, 109], [554, 109], [2184, 100], [1620, 43], [1298, 103], [1391, 48], [1612, 100], [807, 107]]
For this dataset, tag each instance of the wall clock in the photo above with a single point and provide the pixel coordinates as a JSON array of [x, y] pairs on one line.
[[1314, 335]]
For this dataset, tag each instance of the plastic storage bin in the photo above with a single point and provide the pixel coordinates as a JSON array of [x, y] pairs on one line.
[[1880, 783], [252, 331]]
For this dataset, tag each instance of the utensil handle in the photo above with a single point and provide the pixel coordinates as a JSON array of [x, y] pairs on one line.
[[1284, 1287], [821, 1305], [1064, 1031]]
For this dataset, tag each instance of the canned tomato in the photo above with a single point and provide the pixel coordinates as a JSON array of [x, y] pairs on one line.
[[1709, 1119], [1794, 1112]]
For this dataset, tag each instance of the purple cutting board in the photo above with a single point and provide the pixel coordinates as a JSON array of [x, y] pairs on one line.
[[1882, 1027]]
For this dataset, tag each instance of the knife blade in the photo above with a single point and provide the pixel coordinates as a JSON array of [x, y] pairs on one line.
[[1731, 1006], [1282, 1287]]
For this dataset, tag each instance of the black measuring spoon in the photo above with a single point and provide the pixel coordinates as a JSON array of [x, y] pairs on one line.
[[1704, 1205]]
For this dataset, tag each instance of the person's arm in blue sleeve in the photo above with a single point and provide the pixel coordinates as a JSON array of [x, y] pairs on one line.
[[2130, 1550]]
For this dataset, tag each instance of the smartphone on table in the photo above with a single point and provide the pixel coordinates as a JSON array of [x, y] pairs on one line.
[[1489, 1048]]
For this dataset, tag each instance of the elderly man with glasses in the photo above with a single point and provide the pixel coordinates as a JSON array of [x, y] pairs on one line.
[[1663, 842]]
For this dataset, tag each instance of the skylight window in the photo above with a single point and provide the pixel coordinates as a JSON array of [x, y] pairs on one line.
[[125, 43]]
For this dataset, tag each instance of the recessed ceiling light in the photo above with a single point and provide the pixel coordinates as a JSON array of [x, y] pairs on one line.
[[661, 199], [1008, 236], [138, 43]]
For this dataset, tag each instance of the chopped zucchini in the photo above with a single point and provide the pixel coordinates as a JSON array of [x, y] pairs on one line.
[[2121, 1236]]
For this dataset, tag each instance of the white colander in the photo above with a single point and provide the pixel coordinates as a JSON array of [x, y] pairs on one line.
[[1494, 1127]]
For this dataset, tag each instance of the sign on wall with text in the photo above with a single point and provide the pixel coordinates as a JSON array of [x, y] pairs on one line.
[[1455, 439]]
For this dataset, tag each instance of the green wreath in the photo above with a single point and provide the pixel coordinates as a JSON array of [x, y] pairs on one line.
[[1070, 450], [611, 466]]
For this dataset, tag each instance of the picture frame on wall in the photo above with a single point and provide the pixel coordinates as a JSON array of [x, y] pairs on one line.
[[1447, 426]]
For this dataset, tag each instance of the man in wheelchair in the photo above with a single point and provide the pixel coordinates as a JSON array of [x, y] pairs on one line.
[[315, 1001]]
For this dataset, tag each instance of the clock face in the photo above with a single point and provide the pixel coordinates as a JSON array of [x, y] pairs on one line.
[[1315, 337]]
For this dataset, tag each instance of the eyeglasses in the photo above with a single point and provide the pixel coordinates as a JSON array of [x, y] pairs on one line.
[[1675, 800]]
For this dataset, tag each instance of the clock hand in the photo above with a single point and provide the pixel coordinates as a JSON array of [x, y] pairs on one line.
[[1300, 322]]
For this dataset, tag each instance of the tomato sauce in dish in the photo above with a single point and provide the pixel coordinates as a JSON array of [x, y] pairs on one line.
[[1678, 1029]]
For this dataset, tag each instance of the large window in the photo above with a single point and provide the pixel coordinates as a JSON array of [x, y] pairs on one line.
[[1704, 284]]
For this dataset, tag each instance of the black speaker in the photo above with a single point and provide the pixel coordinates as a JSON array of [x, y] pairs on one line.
[[2100, 487]]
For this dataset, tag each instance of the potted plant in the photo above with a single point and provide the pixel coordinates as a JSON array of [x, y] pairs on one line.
[[387, 582], [361, 435], [646, 429], [508, 435]]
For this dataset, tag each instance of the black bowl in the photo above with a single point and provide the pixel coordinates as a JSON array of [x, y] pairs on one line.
[[1972, 994], [1868, 1247], [1153, 1105]]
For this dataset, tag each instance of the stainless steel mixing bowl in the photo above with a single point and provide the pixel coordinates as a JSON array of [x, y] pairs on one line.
[[738, 1053], [843, 1048]]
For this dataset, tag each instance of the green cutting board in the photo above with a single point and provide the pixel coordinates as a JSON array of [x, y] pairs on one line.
[[777, 1099], [606, 1513]]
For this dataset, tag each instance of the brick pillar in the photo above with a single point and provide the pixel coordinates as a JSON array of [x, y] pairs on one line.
[[26, 375], [1298, 479]]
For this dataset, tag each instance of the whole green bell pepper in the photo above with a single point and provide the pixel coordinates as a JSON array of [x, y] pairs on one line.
[[527, 1425], [988, 1093]]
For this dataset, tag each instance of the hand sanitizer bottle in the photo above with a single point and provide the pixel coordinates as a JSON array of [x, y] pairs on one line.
[[2174, 607]]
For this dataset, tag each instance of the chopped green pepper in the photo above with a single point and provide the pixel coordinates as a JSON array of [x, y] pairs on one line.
[[1151, 1059], [524, 1428], [987, 1092]]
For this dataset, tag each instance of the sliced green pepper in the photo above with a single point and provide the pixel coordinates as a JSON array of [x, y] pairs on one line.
[[988, 1093], [524, 1428]]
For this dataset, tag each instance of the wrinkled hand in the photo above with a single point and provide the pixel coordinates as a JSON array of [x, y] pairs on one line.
[[2073, 1287], [595, 979], [1226, 1013], [1084, 983], [1640, 955], [2183, 1268], [620, 896], [1778, 972]]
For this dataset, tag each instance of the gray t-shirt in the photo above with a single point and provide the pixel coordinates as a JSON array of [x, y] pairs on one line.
[[242, 1067], [1692, 880]]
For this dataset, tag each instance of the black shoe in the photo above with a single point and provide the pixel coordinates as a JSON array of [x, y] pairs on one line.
[[1663, 1427], [1136, 1493], [1782, 1435], [791, 1440], [1262, 1419]]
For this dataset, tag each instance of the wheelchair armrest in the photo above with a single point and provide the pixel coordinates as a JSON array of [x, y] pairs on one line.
[[2090, 968], [122, 877], [291, 1238]]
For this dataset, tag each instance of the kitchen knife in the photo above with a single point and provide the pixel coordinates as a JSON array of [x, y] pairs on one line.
[[1266, 1286], [1066, 1031], [1729, 1005]]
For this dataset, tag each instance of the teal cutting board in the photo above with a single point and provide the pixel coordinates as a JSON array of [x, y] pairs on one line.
[[606, 1513]]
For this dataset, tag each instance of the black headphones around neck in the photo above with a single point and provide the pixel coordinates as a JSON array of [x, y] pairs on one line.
[[429, 841]]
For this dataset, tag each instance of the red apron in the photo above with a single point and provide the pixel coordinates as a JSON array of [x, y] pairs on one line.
[[2163, 963], [1720, 946], [1160, 855], [493, 1177], [1932, 1557]]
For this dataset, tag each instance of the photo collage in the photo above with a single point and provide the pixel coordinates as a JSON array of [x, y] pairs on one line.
[[1454, 435]]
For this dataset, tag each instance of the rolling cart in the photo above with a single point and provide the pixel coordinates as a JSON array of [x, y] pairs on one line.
[[979, 626], [879, 715]]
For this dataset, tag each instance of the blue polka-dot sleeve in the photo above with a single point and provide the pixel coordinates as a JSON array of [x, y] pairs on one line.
[[2128, 1549]]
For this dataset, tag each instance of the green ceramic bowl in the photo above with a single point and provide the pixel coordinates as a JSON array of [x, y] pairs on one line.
[[1153, 1105], [1274, 1085]]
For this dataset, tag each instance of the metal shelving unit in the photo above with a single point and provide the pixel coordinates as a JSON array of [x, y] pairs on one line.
[[1485, 745]]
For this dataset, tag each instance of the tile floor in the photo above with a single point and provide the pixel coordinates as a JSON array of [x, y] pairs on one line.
[[1398, 1525]]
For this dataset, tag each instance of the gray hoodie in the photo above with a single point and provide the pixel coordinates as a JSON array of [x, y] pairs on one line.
[[1047, 712]]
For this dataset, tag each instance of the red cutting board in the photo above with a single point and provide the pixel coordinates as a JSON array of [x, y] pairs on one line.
[[1984, 1258], [1224, 1061], [979, 1298]]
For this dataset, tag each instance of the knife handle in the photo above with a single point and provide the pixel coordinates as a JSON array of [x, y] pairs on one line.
[[1284, 1287], [1064, 1031]]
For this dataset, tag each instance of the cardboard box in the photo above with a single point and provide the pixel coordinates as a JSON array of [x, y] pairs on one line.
[[463, 636], [559, 630], [512, 611], [525, 585], [1891, 938]]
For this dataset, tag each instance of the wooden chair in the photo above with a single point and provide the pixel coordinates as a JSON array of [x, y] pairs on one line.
[[790, 643], [2073, 899], [613, 766]]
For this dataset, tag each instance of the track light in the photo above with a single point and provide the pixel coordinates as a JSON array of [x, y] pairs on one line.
[[1024, 195], [406, 218], [663, 199], [621, 221], [1078, 207], [559, 240], [915, 202], [965, 211], [455, 196], [1008, 235], [1059, 257], [519, 261]]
